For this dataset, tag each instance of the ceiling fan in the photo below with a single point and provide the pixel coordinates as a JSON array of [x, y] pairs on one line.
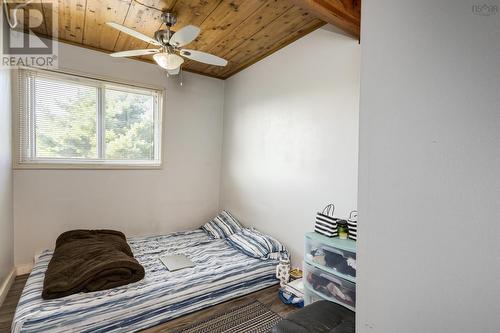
[[169, 54]]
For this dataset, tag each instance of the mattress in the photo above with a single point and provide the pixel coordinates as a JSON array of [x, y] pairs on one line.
[[221, 273]]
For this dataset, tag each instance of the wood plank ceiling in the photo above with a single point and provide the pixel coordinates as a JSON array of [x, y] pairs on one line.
[[241, 31]]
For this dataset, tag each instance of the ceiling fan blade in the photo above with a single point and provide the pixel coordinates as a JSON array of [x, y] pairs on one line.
[[133, 33], [134, 53], [203, 57], [184, 36]]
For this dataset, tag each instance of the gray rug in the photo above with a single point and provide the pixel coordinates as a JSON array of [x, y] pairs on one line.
[[254, 317]]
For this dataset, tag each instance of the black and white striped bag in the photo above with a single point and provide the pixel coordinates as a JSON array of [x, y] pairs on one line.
[[352, 225], [326, 224]]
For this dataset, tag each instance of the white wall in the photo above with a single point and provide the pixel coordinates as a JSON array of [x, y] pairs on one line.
[[184, 194], [429, 186], [291, 137], [6, 219]]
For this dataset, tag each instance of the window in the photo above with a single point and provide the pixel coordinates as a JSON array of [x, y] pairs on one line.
[[70, 120]]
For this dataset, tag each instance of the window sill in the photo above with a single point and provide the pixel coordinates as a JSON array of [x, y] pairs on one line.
[[85, 166]]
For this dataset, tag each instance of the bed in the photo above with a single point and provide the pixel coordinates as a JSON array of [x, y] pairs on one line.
[[221, 273]]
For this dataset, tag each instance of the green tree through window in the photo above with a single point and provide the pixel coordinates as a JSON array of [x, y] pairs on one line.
[[65, 122], [87, 120], [129, 126]]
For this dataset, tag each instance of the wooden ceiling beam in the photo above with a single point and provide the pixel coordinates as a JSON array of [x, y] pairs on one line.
[[344, 14]]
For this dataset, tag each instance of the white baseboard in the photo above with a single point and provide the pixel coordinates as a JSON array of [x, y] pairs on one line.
[[24, 269], [5, 287]]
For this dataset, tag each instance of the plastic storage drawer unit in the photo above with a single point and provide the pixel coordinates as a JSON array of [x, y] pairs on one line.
[[329, 286], [310, 296], [332, 254]]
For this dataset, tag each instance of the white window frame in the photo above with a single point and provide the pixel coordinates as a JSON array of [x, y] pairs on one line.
[[25, 154]]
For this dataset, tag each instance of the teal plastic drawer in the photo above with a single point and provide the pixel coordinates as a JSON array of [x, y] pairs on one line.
[[329, 286], [331, 254]]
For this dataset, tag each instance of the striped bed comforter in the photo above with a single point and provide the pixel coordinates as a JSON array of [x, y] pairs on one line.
[[221, 273]]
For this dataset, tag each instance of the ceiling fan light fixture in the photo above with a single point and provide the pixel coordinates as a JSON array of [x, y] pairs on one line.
[[168, 61]]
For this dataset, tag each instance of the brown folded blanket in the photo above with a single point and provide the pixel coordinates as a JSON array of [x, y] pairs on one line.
[[90, 260]]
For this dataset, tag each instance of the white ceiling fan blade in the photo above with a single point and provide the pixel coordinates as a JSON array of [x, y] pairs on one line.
[[185, 35], [134, 53], [133, 33], [203, 57]]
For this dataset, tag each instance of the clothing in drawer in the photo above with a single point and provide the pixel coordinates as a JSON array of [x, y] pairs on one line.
[[330, 286], [342, 261]]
